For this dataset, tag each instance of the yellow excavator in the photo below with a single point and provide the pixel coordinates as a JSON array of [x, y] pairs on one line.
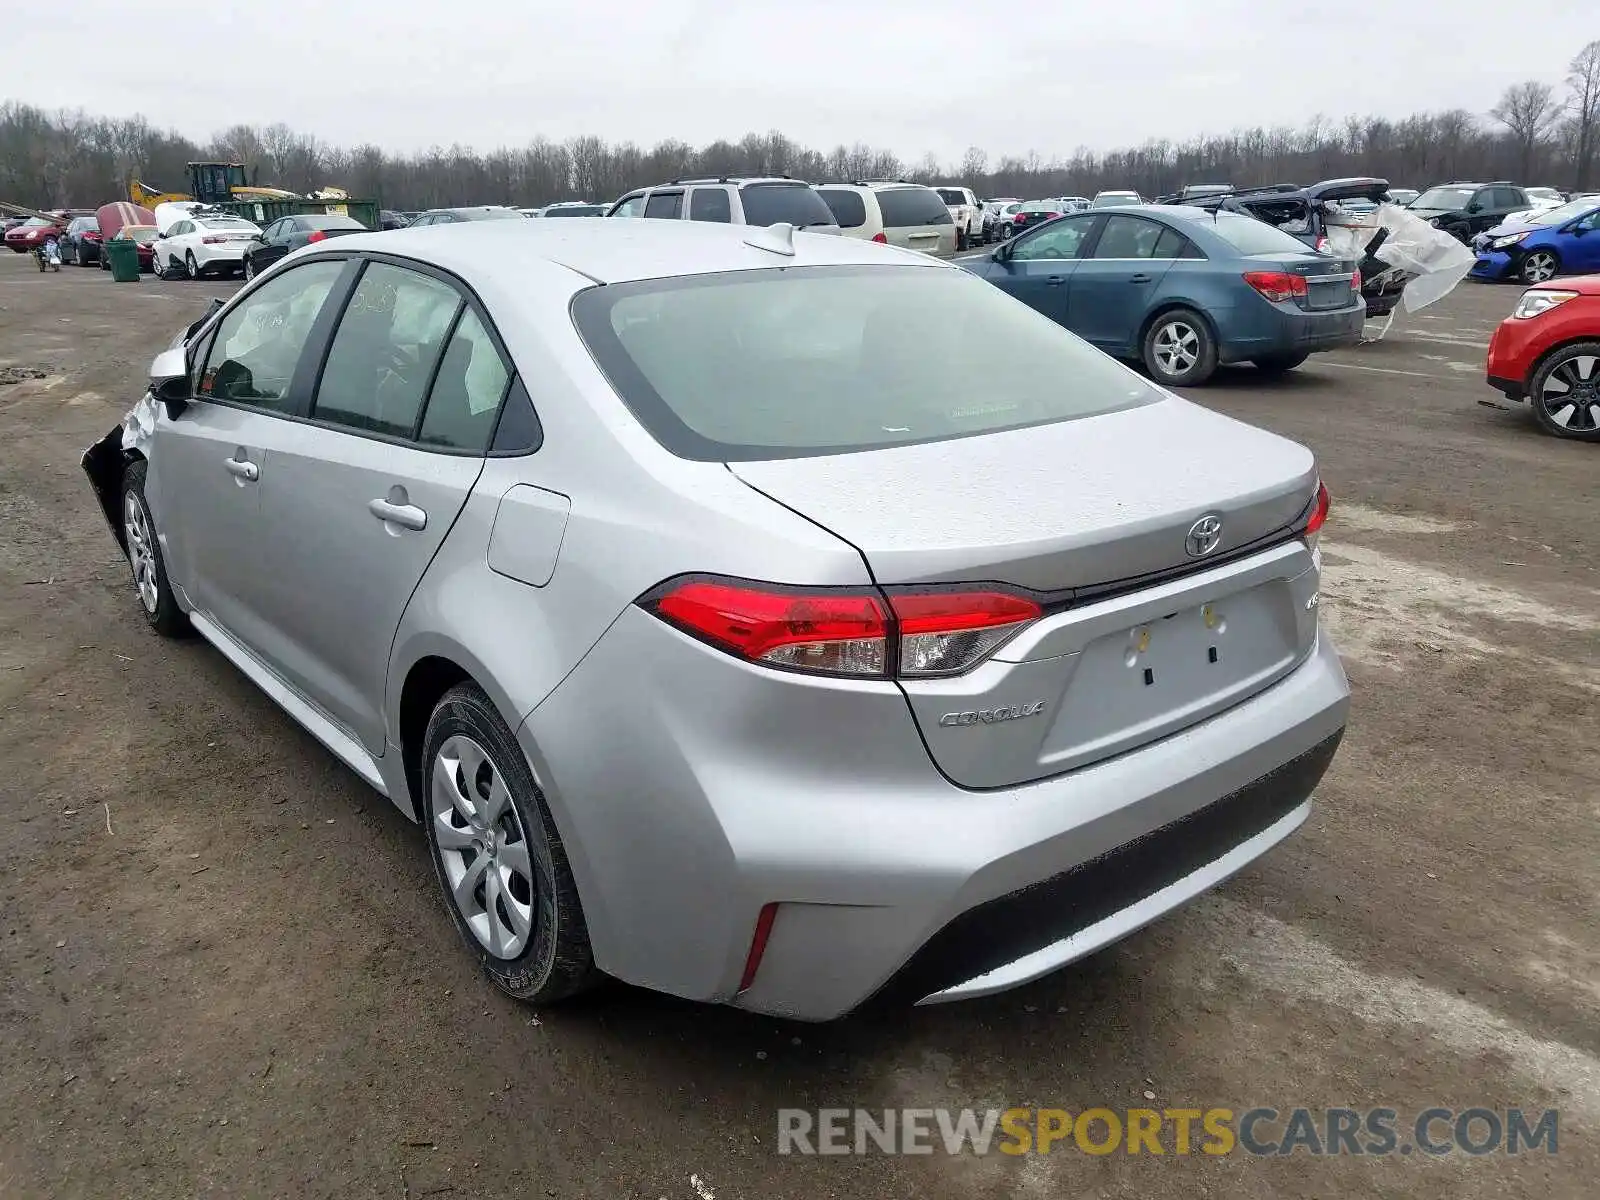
[[216, 182]]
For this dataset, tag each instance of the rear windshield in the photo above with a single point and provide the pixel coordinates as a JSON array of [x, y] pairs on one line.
[[1250, 236], [223, 223], [331, 221], [950, 196], [488, 214], [1051, 206], [1445, 197], [799, 362], [796, 203], [849, 210], [911, 207]]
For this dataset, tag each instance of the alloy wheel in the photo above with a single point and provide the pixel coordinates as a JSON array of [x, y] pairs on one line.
[[1538, 267], [141, 556], [1177, 347], [482, 847], [1571, 394]]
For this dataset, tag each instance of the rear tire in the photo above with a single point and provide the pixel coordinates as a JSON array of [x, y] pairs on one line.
[[1560, 413], [1178, 349], [143, 547], [1279, 364], [191, 268], [525, 924]]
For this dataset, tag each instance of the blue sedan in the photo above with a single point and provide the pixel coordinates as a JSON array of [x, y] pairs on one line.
[[1540, 246], [1182, 289]]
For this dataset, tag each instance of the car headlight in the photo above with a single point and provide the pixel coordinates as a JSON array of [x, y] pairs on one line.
[[1511, 239], [1540, 300]]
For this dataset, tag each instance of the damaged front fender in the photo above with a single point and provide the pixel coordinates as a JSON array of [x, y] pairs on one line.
[[106, 461]]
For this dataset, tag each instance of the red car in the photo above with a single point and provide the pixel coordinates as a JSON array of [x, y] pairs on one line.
[[32, 232], [1548, 353]]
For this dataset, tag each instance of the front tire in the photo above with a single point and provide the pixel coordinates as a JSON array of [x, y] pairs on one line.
[[78, 258], [1178, 349], [156, 268], [500, 862], [1539, 266], [249, 268], [1565, 393], [143, 548], [1279, 364]]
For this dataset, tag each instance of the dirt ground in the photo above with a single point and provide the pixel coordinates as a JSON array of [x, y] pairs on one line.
[[224, 970]]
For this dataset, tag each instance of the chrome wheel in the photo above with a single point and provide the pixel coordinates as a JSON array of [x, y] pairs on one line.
[[191, 268], [1571, 394], [1538, 267], [482, 847], [249, 268], [141, 554], [1177, 347]]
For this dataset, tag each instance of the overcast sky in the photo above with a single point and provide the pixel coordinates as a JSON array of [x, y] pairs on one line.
[[907, 75]]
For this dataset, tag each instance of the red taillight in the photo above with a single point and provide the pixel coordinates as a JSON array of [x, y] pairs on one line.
[[1319, 511], [1322, 245], [316, 235], [917, 634], [1020, 218], [1277, 285], [758, 945], [214, 240], [91, 236], [1355, 281], [879, 237]]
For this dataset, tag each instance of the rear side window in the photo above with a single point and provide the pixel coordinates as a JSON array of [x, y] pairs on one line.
[[710, 204], [252, 358], [909, 207], [1250, 236], [467, 390], [803, 361], [849, 210], [795, 203], [385, 350], [664, 205], [1173, 244]]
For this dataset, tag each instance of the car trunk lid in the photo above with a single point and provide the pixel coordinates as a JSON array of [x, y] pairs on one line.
[[1094, 518]]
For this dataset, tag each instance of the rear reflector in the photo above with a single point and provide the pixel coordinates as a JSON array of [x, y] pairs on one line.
[[833, 631], [1277, 285], [758, 945], [881, 238]]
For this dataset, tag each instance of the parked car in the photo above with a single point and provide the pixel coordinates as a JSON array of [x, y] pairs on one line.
[[203, 244], [32, 232], [389, 219], [1465, 209], [573, 208], [731, 201], [1115, 199], [967, 213], [122, 221], [288, 234], [1403, 196], [1196, 191], [899, 214], [1303, 214], [144, 239], [1547, 353], [1542, 246], [80, 242], [1182, 289], [456, 216], [1037, 212], [1005, 220], [650, 569], [991, 216]]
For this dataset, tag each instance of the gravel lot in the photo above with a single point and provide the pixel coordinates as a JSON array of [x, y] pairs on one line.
[[224, 970]]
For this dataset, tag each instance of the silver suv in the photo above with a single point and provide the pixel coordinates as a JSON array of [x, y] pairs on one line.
[[730, 201], [725, 632]]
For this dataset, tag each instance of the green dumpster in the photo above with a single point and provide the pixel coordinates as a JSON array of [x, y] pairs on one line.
[[123, 255]]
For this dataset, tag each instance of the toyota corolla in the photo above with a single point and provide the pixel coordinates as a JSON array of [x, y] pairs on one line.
[[726, 629]]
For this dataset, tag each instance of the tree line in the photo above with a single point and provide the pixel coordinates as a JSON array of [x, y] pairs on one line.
[[1536, 134]]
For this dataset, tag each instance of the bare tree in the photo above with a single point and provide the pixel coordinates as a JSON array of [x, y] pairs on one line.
[[1529, 111], [1583, 78]]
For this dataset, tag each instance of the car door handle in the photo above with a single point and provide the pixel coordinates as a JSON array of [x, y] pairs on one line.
[[1056, 280], [408, 516], [1141, 277], [242, 469]]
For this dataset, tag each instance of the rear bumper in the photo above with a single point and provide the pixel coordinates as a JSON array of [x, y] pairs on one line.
[[1284, 330], [715, 802]]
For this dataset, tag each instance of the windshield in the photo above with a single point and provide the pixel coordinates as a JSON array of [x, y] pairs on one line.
[[800, 362], [143, 234], [1567, 212], [1543, 193], [1443, 197], [1111, 199], [35, 222]]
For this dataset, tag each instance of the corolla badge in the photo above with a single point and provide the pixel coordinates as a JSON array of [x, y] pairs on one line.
[[1204, 536], [988, 716]]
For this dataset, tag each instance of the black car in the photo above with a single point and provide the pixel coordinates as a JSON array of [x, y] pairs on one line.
[[80, 244], [1465, 209], [451, 216], [290, 233], [1302, 212], [389, 219], [1037, 212]]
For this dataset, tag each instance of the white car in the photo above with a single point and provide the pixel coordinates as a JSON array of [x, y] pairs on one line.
[[1544, 199], [202, 245], [966, 212], [1115, 199]]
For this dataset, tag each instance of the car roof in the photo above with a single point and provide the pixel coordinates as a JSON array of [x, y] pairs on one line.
[[620, 251]]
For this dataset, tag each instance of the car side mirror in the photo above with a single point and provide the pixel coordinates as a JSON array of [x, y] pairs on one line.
[[169, 380], [1474, 207], [1002, 252]]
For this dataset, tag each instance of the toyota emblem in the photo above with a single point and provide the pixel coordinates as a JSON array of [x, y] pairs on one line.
[[1205, 535]]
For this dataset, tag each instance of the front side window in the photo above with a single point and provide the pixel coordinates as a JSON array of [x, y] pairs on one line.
[[664, 206], [467, 391], [803, 361], [710, 204], [631, 207], [384, 352], [1444, 199], [258, 343], [1059, 239]]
